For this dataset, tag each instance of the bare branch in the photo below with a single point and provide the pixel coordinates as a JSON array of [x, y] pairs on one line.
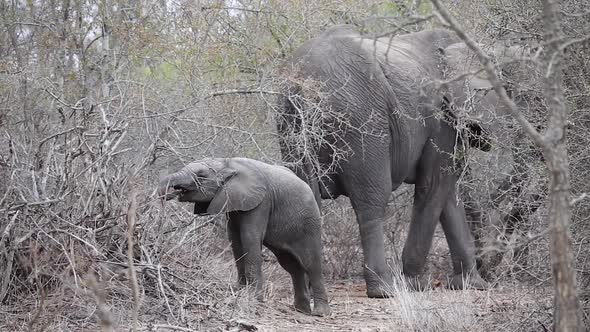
[[131, 216], [43, 141], [401, 27], [580, 14], [240, 92], [20, 205], [163, 327]]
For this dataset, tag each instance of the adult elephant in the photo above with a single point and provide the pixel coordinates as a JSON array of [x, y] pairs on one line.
[[361, 116]]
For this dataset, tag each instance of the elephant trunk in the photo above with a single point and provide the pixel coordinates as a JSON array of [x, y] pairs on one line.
[[170, 185]]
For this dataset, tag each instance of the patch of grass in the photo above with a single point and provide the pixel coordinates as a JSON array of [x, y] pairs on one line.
[[437, 310]]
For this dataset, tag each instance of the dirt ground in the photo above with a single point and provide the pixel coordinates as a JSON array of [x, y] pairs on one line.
[[500, 309], [508, 307]]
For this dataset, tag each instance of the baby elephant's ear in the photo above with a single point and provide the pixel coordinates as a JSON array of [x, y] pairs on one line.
[[242, 189]]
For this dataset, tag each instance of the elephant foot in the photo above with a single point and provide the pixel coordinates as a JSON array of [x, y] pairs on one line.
[[302, 306], [471, 281], [321, 309], [380, 291], [417, 284], [253, 290], [239, 285], [379, 284]]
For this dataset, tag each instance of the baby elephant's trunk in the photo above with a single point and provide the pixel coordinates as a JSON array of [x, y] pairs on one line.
[[166, 188]]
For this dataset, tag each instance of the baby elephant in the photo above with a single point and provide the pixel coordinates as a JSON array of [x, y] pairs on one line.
[[265, 204]]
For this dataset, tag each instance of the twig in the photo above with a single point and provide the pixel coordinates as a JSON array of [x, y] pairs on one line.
[[96, 251], [7, 273], [574, 201], [43, 141], [399, 27], [241, 92], [131, 212], [161, 284], [35, 318], [246, 326], [575, 14], [63, 248], [104, 315], [74, 107], [7, 230], [171, 327], [23, 204], [251, 10], [195, 227]]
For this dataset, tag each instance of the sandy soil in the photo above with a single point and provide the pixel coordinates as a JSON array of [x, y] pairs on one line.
[[500, 309], [510, 307]]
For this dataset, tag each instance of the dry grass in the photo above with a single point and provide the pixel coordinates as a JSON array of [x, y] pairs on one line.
[[433, 311]]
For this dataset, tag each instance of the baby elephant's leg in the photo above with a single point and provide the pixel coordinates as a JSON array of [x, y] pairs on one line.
[[252, 260], [300, 282], [233, 229], [309, 252], [252, 227]]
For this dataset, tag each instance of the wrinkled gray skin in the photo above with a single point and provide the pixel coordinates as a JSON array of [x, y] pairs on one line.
[[265, 204], [385, 86]]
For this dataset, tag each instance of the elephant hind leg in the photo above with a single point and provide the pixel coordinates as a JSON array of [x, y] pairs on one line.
[[434, 184], [425, 215], [461, 246], [308, 253], [299, 278]]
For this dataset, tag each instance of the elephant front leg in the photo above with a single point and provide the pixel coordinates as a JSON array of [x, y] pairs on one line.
[[233, 229], [461, 246], [376, 272], [252, 260]]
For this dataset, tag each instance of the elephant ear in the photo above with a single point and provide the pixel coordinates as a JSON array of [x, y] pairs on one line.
[[242, 189], [463, 93], [472, 97]]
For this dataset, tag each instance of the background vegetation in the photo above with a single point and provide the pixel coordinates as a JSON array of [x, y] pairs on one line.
[[100, 98]]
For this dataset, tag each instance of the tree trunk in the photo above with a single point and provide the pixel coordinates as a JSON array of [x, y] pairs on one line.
[[567, 314], [566, 304]]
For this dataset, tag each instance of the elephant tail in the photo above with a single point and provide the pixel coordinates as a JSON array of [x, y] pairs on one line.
[[312, 180]]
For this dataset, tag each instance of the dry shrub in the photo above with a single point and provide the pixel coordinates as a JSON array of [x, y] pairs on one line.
[[524, 252]]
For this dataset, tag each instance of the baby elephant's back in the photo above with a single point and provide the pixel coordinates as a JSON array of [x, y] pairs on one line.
[[294, 207], [291, 187]]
